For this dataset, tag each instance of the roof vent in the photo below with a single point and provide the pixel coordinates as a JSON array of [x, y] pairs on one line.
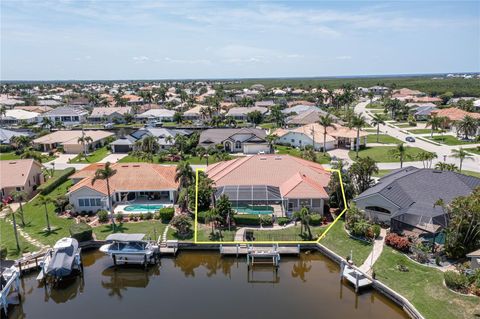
[[136, 165], [124, 165], [263, 158], [277, 158]]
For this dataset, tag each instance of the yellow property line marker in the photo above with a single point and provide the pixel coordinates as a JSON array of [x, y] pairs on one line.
[[297, 242]]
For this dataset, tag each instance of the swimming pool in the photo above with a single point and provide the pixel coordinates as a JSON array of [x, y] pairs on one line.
[[143, 207], [260, 210]]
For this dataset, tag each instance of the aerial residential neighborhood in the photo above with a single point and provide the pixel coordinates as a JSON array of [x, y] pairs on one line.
[[280, 149]]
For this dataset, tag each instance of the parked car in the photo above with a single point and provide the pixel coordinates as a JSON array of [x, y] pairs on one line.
[[410, 139], [108, 125]]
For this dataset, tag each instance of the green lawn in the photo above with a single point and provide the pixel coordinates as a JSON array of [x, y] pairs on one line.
[[287, 150], [382, 138], [7, 239], [381, 154], [94, 157], [149, 228], [475, 150], [449, 140], [268, 126], [287, 234], [382, 172], [203, 234], [338, 240], [470, 173], [12, 156], [423, 287], [194, 160], [404, 125], [375, 105], [421, 131], [36, 223]]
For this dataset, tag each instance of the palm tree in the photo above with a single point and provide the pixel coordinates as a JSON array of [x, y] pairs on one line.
[[212, 217], [271, 138], [45, 200], [461, 154], [84, 140], [105, 174], [149, 144], [304, 216], [326, 122], [426, 158], [184, 176], [21, 141], [20, 196], [47, 123], [14, 223], [467, 126], [434, 122], [446, 167], [399, 152], [377, 120], [357, 122], [29, 153]]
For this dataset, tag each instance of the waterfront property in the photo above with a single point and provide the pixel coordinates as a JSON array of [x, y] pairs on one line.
[[308, 116], [109, 114], [132, 183], [20, 175], [453, 115], [68, 115], [236, 140], [7, 135], [406, 199], [312, 134], [69, 141], [17, 117], [241, 113], [282, 181]]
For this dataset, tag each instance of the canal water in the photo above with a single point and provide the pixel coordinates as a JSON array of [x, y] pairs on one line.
[[203, 285]]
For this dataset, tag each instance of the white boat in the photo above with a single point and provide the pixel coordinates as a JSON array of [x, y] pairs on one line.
[[131, 249], [62, 260]]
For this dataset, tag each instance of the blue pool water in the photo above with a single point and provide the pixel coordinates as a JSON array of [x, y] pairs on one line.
[[260, 210], [143, 207]]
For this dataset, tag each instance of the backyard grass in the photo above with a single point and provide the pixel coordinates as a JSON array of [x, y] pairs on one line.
[[381, 154], [203, 234], [268, 126], [449, 140], [287, 234], [423, 287], [36, 223], [288, 150], [7, 239], [151, 228], [382, 138], [194, 160], [94, 157], [338, 240]]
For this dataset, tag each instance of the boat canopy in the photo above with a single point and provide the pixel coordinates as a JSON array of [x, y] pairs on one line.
[[125, 237], [63, 258]]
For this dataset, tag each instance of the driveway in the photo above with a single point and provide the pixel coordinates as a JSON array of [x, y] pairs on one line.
[[61, 162], [443, 151], [113, 158]]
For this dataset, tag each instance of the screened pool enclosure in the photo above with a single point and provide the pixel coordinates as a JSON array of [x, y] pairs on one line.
[[252, 198]]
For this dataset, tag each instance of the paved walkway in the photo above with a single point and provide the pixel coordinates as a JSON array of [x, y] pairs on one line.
[[376, 252], [27, 237], [239, 235]]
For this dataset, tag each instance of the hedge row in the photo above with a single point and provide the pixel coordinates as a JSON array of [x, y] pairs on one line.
[[166, 213], [81, 232], [54, 182]]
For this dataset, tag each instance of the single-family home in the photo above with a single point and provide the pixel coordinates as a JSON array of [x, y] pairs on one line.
[[236, 140], [68, 115], [141, 182], [378, 90], [7, 135], [337, 136], [133, 99], [20, 175], [69, 140], [421, 111], [284, 182], [453, 115], [267, 103], [109, 114], [16, 117], [241, 113], [34, 108], [196, 112], [156, 115], [307, 117], [406, 199], [49, 103]]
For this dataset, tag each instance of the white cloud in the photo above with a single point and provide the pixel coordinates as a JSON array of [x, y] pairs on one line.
[[140, 59]]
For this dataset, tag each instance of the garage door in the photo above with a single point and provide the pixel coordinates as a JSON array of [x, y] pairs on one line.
[[122, 148], [255, 148]]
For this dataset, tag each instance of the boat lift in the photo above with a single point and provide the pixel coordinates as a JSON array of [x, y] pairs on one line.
[[263, 255], [11, 277]]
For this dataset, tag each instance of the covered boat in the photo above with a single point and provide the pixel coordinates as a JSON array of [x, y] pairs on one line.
[[130, 249], [62, 260]]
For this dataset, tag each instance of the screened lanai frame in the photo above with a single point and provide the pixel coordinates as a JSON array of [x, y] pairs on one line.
[[251, 195]]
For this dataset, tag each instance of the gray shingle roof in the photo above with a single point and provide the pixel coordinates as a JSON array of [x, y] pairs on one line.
[[216, 136]]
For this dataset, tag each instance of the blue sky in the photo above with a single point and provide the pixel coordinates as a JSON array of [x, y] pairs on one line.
[[47, 40]]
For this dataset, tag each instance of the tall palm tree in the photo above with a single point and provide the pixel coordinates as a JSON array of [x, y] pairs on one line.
[[14, 223], [377, 120], [105, 174], [47, 123], [325, 121], [84, 140], [20, 196], [435, 123], [468, 126], [271, 138], [357, 122], [446, 167], [184, 176], [305, 217], [45, 200], [461, 154], [21, 141], [400, 152], [30, 153]]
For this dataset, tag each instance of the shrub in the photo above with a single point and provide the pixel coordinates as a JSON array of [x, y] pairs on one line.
[[119, 217], [141, 216], [148, 215], [102, 216], [201, 217], [5, 148], [398, 242], [54, 182], [131, 216], [156, 215], [316, 220], [455, 280], [3, 252], [81, 232], [266, 220], [247, 219], [283, 220], [376, 230], [166, 213]]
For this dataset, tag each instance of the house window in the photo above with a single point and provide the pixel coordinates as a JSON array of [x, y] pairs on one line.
[[316, 202], [293, 140], [378, 209], [85, 202], [18, 189], [238, 144]]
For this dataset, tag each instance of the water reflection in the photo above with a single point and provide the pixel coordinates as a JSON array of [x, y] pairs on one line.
[[118, 279], [301, 267], [64, 290], [188, 262]]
